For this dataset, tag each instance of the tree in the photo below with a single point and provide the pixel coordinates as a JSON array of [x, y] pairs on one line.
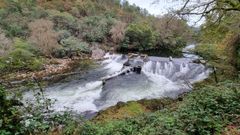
[[171, 26], [140, 36], [118, 32], [173, 32], [215, 9], [96, 28], [43, 36]]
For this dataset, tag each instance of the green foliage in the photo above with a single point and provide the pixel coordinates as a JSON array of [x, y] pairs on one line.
[[9, 114], [15, 17], [32, 117], [18, 26], [63, 34], [213, 34], [205, 111], [208, 51], [90, 8], [213, 108], [38, 12], [171, 44], [62, 20], [68, 16], [20, 4], [21, 58], [225, 39], [75, 44], [96, 28], [173, 33], [141, 36], [71, 46], [38, 116]]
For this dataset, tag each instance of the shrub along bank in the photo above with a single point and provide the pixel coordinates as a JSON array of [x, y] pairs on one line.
[[209, 109], [212, 109]]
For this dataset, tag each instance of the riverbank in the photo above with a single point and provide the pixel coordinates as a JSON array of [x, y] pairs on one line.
[[212, 107], [153, 116], [53, 71], [136, 108], [208, 109]]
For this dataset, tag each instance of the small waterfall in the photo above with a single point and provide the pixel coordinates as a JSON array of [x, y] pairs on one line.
[[159, 78], [176, 71], [114, 63]]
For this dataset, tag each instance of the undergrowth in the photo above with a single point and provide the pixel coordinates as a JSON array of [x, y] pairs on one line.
[[205, 111]]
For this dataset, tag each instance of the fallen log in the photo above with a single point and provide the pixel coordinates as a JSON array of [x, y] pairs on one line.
[[124, 71]]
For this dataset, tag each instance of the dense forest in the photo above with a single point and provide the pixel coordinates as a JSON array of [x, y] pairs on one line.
[[44, 29], [42, 38]]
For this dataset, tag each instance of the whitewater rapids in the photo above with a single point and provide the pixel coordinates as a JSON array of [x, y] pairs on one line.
[[160, 78]]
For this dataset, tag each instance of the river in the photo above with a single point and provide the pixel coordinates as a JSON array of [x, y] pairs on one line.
[[160, 77]]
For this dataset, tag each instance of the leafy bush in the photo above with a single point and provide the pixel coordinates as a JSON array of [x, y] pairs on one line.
[[33, 117], [208, 110], [21, 58], [205, 111], [15, 17], [18, 25], [61, 5], [140, 36], [63, 20], [209, 51], [90, 8], [9, 114], [75, 44], [170, 44], [38, 12], [71, 46], [96, 28], [63, 34], [172, 29]]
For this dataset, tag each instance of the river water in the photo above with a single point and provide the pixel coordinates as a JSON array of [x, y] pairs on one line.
[[160, 77]]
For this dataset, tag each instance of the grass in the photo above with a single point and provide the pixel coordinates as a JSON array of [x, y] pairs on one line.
[[121, 111], [207, 110]]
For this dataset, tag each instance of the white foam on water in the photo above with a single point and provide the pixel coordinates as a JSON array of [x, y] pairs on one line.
[[157, 86], [200, 77], [184, 68], [163, 79], [79, 99], [161, 84], [114, 63]]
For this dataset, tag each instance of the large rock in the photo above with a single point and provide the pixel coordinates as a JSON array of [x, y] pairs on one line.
[[97, 53]]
